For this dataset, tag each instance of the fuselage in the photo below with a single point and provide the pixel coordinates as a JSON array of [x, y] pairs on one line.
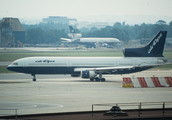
[[66, 65], [101, 40], [93, 41]]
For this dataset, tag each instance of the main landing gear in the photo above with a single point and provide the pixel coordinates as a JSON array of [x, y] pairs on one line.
[[98, 78], [34, 78]]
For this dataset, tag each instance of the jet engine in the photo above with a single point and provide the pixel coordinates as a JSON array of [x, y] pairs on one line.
[[135, 52], [77, 35], [88, 74]]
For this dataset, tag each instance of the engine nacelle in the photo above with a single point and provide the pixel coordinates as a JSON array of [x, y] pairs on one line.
[[135, 52], [77, 35], [88, 74]]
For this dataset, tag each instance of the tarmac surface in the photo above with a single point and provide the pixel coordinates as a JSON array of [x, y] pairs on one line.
[[62, 93]]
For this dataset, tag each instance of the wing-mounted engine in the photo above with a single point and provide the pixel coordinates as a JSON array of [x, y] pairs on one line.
[[88, 74]]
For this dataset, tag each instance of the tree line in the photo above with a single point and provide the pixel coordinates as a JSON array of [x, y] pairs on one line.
[[45, 33]]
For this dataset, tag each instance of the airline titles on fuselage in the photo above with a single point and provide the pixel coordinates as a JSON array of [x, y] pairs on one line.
[[45, 61]]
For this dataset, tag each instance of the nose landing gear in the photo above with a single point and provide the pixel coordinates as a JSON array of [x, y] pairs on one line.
[[34, 78]]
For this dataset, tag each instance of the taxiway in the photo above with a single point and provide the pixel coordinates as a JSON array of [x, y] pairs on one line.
[[62, 93]]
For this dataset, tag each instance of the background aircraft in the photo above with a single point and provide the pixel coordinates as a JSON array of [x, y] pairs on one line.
[[90, 42]]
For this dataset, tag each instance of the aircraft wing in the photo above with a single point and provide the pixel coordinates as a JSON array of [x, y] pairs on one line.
[[69, 40], [154, 65], [109, 69], [66, 40], [104, 69]]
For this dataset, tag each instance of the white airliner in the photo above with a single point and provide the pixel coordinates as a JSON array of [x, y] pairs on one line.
[[76, 38], [134, 60]]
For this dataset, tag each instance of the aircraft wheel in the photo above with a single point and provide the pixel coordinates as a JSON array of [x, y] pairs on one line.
[[103, 79], [34, 78], [91, 79], [97, 79]]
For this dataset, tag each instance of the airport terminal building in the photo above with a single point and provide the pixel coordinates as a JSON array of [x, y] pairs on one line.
[[60, 19]]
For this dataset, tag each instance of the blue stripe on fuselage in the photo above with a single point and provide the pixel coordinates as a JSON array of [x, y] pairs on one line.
[[67, 70]]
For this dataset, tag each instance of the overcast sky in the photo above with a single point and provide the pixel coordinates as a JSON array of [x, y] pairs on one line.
[[74, 8]]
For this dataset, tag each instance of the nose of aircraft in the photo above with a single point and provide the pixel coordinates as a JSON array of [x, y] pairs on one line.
[[8, 67]]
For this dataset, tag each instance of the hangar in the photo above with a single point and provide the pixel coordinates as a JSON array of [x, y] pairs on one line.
[[12, 33]]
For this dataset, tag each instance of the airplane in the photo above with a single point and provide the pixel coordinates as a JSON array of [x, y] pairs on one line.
[[134, 60], [89, 42]]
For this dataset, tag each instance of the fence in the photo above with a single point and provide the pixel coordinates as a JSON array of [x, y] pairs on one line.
[[139, 106]]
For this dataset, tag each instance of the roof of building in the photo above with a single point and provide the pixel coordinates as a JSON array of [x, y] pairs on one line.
[[16, 25], [13, 22]]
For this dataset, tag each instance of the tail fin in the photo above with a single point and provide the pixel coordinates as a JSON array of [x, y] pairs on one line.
[[154, 48], [71, 29], [73, 34]]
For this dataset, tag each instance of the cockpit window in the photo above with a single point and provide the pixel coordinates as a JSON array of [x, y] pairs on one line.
[[14, 63]]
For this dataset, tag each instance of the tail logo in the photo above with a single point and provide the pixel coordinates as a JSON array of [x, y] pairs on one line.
[[154, 43]]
